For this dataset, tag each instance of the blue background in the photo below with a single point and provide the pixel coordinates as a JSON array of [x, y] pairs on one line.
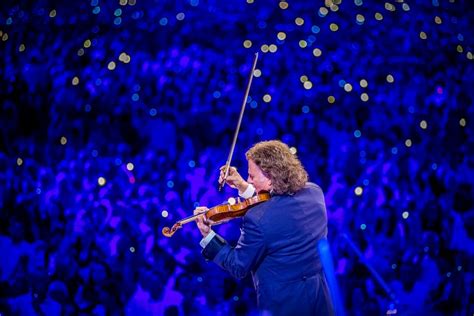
[[116, 116]]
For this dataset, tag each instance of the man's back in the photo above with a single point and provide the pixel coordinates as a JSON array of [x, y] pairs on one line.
[[290, 268]]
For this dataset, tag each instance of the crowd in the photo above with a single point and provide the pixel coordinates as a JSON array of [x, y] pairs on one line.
[[115, 119]]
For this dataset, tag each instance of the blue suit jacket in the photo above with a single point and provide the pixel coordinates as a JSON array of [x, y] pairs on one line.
[[278, 245]]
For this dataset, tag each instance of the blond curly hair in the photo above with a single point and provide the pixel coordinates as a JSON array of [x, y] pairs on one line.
[[280, 165]]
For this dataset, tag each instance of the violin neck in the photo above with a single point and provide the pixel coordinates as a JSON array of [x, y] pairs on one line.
[[190, 218]]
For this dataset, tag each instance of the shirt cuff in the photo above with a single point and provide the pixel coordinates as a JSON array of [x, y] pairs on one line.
[[207, 239], [248, 193]]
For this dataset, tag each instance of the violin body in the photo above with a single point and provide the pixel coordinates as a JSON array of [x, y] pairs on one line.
[[221, 213], [226, 212]]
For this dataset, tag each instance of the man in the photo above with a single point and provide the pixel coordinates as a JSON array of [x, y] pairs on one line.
[[279, 238]]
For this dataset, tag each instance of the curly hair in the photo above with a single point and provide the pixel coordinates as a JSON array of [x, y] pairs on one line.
[[280, 165]]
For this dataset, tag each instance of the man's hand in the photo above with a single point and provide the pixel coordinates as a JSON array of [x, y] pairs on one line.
[[234, 179], [203, 223]]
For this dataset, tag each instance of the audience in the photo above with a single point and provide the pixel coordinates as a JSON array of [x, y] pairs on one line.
[[117, 116]]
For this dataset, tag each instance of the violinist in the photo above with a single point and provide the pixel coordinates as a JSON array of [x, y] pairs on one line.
[[279, 238]]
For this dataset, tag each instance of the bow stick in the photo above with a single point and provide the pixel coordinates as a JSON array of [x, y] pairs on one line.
[[244, 102]]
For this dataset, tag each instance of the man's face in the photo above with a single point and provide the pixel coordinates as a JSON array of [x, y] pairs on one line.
[[258, 179]]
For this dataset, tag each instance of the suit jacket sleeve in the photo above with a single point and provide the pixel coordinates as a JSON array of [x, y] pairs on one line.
[[238, 260]]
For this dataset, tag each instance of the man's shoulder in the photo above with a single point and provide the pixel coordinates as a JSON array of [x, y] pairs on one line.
[[311, 188], [258, 211], [312, 185]]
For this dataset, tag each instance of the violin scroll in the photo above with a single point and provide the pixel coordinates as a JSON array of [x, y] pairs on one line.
[[167, 232]]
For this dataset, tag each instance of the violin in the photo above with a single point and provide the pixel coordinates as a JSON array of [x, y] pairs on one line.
[[221, 213]]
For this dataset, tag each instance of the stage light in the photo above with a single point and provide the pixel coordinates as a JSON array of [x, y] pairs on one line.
[[317, 52], [389, 7], [323, 12], [283, 5], [299, 21], [101, 181]]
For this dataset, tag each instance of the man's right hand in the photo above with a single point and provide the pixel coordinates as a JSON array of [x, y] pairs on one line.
[[234, 179]]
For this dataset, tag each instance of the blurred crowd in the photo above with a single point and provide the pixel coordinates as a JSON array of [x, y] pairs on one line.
[[116, 117]]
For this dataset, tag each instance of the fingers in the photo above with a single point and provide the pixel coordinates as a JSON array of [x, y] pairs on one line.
[[222, 173], [208, 222], [200, 209], [232, 170], [233, 176], [222, 168], [202, 219], [203, 223]]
